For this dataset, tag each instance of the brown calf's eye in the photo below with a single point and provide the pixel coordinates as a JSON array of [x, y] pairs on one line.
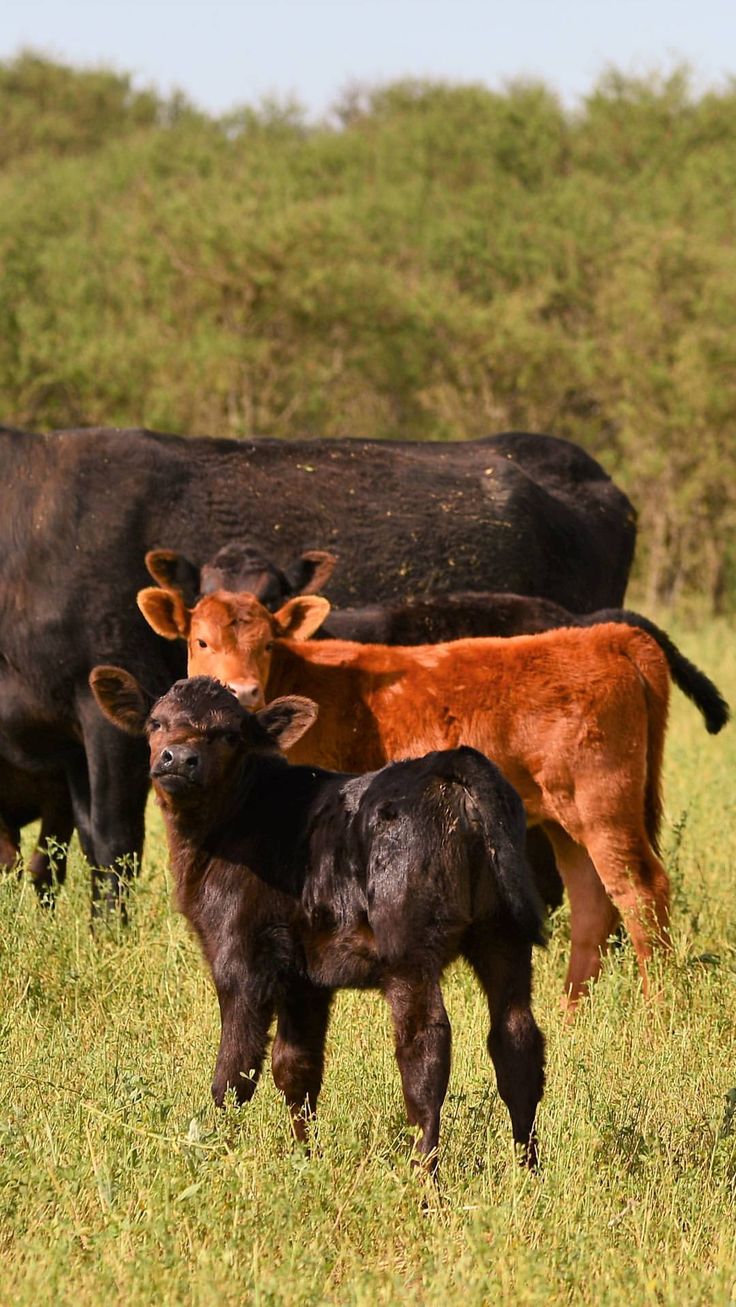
[[154, 724], [269, 646]]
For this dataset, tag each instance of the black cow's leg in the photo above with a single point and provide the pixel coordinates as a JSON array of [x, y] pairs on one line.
[[77, 778], [9, 846], [503, 966], [118, 783], [423, 1045], [246, 1008], [297, 1056], [50, 854]]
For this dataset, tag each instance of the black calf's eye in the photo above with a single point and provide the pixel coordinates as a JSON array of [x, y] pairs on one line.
[[232, 738], [202, 644], [269, 646], [154, 724]]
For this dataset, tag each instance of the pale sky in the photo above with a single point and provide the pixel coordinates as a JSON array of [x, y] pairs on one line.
[[231, 52]]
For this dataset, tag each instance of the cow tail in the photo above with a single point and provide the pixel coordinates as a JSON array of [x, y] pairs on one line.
[[520, 895], [497, 813], [695, 684]]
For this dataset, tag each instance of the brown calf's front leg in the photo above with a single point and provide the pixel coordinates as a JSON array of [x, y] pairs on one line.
[[423, 1046], [503, 965], [297, 1056]]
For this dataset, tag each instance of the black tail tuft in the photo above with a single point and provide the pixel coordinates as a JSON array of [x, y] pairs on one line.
[[695, 684]]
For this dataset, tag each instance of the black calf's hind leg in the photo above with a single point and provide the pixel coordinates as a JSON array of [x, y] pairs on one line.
[[423, 1046], [515, 1043], [298, 1053]]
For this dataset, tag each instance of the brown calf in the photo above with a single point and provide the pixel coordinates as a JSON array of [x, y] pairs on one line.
[[574, 718]]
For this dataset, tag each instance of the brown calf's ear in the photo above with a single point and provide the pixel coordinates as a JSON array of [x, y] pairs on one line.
[[310, 572], [166, 612], [120, 698], [286, 719], [301, 617]]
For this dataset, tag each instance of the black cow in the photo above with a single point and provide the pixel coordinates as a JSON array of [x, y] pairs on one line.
[[82, 508], [299, 881]]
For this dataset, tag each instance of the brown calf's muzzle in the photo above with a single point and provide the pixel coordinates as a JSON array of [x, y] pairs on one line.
[[249, 693]]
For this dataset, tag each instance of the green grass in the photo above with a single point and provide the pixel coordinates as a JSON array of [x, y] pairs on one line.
[[120, 1182]]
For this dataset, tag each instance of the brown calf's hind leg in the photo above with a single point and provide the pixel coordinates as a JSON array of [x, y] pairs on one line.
[[593, 917], [297, 1056], [503, 966], [423, 1046], [637, 882]]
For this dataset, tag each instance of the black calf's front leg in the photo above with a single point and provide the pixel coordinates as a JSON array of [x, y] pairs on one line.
[[246, 1008], [297, 1056], [515, 1042], [423, 1044]]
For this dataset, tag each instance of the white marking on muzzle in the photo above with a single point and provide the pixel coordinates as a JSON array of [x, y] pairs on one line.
[[248, 693]]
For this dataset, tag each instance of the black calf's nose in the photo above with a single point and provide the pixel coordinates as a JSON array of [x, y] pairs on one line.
[[179, 757]]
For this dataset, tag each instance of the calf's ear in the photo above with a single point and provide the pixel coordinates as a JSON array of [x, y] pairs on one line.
[[166, 612], [310, 572], [287, 719], [120, 698], [173, 571], [301, 617]]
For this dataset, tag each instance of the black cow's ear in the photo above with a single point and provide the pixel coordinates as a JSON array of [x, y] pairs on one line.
[[166, 612], [286, 719], [301, 616], [311, 572], [120, 698], [173, 571]]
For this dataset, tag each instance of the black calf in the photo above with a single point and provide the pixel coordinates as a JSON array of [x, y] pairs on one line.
[[299, 882]]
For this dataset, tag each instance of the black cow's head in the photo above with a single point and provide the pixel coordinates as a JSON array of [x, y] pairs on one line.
[[241, 567]]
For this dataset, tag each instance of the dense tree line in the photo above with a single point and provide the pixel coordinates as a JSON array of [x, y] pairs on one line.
[[434, 261]]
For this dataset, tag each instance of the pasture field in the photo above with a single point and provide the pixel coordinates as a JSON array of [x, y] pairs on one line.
[[121, 1183]]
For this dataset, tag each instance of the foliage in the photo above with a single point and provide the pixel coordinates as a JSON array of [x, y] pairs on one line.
[[434, 261], [119, 1181]]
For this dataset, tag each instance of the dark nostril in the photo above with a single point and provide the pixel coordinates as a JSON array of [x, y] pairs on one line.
[[191, 761], [167, 757]]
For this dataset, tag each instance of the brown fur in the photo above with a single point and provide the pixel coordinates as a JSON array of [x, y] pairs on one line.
[[575, 719]]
